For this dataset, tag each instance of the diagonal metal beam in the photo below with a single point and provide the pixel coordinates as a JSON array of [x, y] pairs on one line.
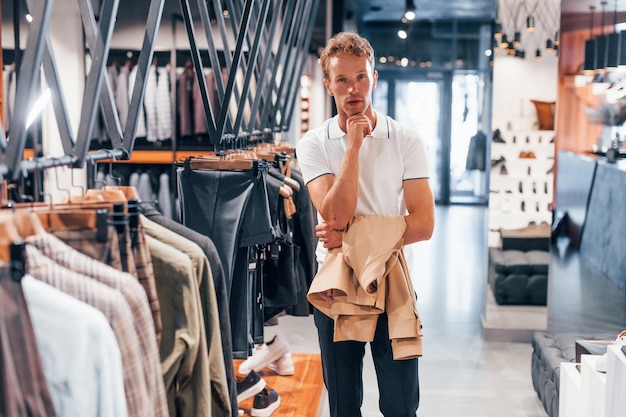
[[155, 13], [93, 85], [307, 32], [68, 141], [197, 62], [253, 96], [273, 99], [263, 92], [109, 109], [243, 27], [252, 58], [236, 13], [289, 72], [213, 55], [27, 86], [266, 68]]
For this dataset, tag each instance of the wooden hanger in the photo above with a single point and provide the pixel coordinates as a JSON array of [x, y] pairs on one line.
[[70, 218], [129, 191], [221, 164], [80, 212], [27, 223], [108, 194]]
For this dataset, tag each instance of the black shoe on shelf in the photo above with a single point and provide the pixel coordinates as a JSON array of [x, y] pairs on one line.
[[265, 403], [496, 162], [497, 136], [250, 386]]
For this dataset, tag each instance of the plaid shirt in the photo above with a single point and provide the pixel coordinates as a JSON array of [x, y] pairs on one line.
[[184, 353], [85, 240], [208, 303], [117, 311], [134, 294], [145, 274]]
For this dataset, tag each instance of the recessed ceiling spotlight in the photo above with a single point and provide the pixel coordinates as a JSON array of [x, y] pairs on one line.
[[409, 13]]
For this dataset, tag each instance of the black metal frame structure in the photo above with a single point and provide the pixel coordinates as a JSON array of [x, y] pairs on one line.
[[263, 76]]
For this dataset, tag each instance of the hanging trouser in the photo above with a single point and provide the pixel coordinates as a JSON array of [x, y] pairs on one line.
[[304, 238], [230, 207], [280, 273]]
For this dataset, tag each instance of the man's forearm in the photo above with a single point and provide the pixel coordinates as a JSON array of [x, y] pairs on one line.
[[339, 203]]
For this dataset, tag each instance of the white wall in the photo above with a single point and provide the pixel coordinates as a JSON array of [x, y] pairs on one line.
[[515, 82]]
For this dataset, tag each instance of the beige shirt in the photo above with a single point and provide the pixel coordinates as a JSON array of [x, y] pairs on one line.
[[208, 305], [184, 357]]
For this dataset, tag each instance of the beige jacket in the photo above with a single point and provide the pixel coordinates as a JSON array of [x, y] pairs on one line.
[[368, 275]]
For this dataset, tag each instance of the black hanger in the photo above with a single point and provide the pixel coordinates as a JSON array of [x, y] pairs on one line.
[[17, 251]]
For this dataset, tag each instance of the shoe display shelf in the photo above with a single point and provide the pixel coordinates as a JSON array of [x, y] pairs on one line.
[[521, 180]]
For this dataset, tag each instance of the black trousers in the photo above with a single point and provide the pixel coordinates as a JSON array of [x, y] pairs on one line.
[[342, 365], [230, 207]]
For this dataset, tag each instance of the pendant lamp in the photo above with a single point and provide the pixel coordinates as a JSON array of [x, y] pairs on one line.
[[613, 45], [601, 46], [589, 64]]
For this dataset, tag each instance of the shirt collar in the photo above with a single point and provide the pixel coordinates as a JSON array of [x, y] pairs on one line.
[[381, 131]]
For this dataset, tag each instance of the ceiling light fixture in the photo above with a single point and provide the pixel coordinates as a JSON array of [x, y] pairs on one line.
[[612, 44], [601, 45], [409, 13], [402, 33], [522, 17], [590, 48]]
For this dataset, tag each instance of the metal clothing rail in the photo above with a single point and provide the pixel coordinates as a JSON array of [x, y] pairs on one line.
[[258, 95]]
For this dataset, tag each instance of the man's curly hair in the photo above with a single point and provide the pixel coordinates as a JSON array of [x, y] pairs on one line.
[[346, 43]]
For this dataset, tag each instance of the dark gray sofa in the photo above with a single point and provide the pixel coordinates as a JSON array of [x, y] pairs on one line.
[[517, 277]]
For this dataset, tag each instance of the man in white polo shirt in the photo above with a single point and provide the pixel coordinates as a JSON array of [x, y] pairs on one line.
[[361, 162]]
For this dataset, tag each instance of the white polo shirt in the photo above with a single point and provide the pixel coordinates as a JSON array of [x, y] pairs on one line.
[[391, 154]]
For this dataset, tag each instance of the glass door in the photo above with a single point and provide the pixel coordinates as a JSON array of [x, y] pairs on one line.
[[445, 110], [468, 140]]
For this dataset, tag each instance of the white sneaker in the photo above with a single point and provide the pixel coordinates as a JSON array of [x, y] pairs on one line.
[[265, 354], [283, 366]]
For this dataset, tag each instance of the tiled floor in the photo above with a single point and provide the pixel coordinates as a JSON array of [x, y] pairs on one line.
[[461, 374]]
